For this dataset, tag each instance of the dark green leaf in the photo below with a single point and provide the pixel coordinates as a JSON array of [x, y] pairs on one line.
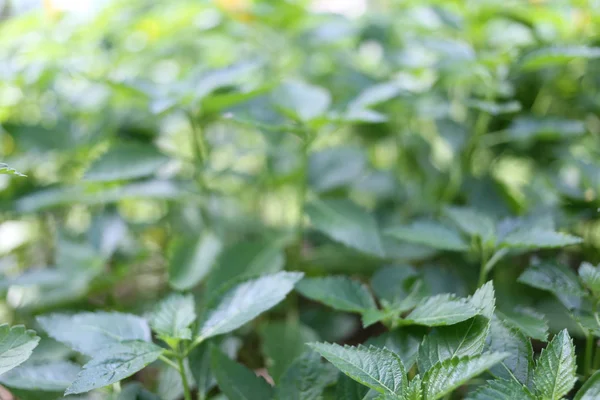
[[338, 292], [306, 378], [430, 234], [192, 260]]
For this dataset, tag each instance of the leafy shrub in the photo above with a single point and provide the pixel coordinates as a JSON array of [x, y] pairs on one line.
[[249, 200]]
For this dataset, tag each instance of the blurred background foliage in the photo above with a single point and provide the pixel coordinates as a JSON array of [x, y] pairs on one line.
[[162, 140]]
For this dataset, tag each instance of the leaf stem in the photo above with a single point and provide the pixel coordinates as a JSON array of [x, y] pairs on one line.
[[589, 348], [187, 394], [482, 268], [169, 362], [486, 266]]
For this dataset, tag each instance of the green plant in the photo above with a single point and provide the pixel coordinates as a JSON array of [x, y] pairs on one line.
[[252, 200]]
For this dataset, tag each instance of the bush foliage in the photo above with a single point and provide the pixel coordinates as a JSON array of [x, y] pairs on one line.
[[252, 200]]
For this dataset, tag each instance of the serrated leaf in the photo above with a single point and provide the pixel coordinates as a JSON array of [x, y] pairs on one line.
[[590, 276], [415, 389], [302, 101], [338, 292], [237, 381], [401, 342], [557, 279], [399, 286], [484, 300], [430, 234], [6, 170], [440, 310], [173, 316], [502, 390], [306, 378], [245, 301], [530, 322], [590, 389], [349, 389], [557, 55], [115, 363], [16, 345], [50, 376], [554, 374], [282, 343], [92, 333], [463, 339], [248, 258], [518, 365], [538, 239], [447, 375], [472, 222], [192, 260], [126, 161], [346, 223], [379, 369]]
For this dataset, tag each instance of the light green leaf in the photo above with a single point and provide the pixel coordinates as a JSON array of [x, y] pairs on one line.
[[338, 292], [529, 129], [16, 346], [302, 101], [375, 94], [415, 389], [115, 363], [463, 339], [502, 390], [590, 276], [518, 365], [173, 316], [49, 376], [447, 375], [191, 260], [346, 223], [558, 55], [528, 321], [495, 108], [335, 167], [379, 369], [348, 389], [245, 301], [590, 389], [237, 381], [126, 161], [282, 343], [538, 238], [247, 259], [472, 222], [440, 310], [557, 279], [430, 234], [306, 378], [92, 333], [6, 170], [484, 300], [554, 374]]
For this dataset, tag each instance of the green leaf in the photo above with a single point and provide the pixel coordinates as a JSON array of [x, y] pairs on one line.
[[590, 389], [472, 222], [375, 94], [538, 238], [92, 333], [401, 342], [305, 379], [430, 234], [16, 345], [527, 130], [126, 161], [463, 339], [348, 389], [415, 389], [173, 316], [449, 374], [554, 374], [590, 276], [338, 292], [49, 376], [282, 343], [335, 167], [502, 390], [6, 170], [346, 223], [113, 364], [530, 322], [302, 101], [237, 381], [399, 286], [245, 301], [557, 279], [440, 310], [558, 55], [135, 391], [518, 365], [484, 300], [247, 259], [494, 108], [192, 259], [379, 369]]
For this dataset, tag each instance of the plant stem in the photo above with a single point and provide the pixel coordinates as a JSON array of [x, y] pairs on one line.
[[482, 268], [199, 144], [187, 394], [168, 362], [303, 187], [589, 348], [486, 266]]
